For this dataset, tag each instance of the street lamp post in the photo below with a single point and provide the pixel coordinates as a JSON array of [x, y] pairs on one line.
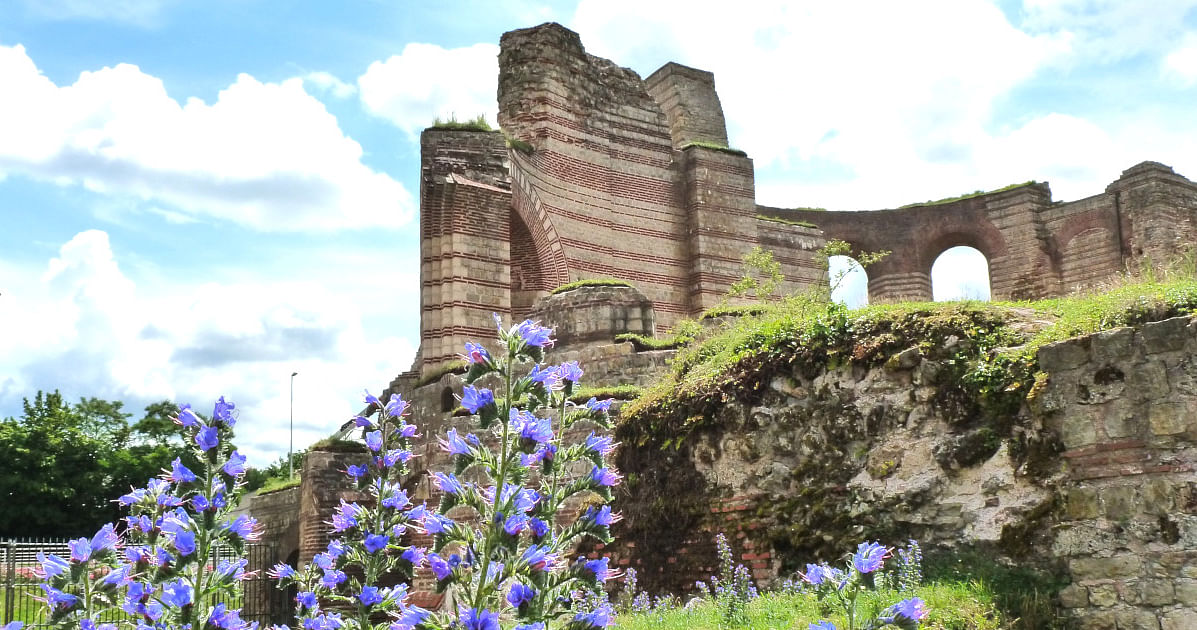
[[291, 441]]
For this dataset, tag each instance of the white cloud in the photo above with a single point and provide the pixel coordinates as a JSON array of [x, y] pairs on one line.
[[901, 100], [144, 13], [426, 81], [1182, 62], [329, 83], [83, 325], [1109, 30], [264, 155]]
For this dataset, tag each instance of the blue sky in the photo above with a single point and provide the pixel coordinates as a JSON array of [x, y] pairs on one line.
[[198, 198]]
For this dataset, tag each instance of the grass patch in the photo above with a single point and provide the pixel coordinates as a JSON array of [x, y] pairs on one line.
[[337, 445], [805, 332], [806, 224], [956, 605], [618, 392], [452, 367], [1020, 593], [591, 282], [519, 145], [452, 124], [714, 146], [739, 310], [644, 343], [975, 193], [274, 484]]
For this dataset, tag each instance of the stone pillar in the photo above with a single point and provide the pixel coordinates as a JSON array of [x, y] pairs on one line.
[[690, 102]]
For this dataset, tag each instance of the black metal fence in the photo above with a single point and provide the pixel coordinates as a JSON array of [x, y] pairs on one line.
[[258, 597]]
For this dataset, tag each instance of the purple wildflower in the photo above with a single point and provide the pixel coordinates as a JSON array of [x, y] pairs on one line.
[[307, 600], [80, 550], [345, 516], [913, 609], [571, 371], [356, 472], [520, 594], [869, 557], [599, 405], [605, 476], [235, 467], [370, 596], [440, 567], [599, 618], [601, 444], [473, 399], [51, 565], [448, 483], [376, 542], [549, 377], [475, 353], [187, 417], [177, 594], [281, 570], [533, 334], [332, 578], [223, 412], [396, 406], [374, 440], [531, 428], [454, 445], [180, 473], [479, 619], [207, 438]]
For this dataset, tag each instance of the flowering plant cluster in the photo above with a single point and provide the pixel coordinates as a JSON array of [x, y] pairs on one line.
[[501, 539], [158, 567], [733, 588], [841, 587]]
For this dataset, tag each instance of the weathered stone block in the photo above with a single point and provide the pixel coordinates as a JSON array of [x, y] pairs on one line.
[[1186, 592], [1136, 619], [1118, 419], [1098, 620], [1165, 336], [1156, 497], [1119, 502], [1179, 620], [1081, 503], [1157, 592], [1113, 345], [1103, 568], [1103, 595], [1078, 429], [1149, 381], [1064, 355], [1074, 596], [1168, 418]]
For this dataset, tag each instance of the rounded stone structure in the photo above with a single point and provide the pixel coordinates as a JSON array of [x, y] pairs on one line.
[[594, 315]]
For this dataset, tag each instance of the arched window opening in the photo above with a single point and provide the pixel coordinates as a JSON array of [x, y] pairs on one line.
[[849, 282], [448, 400], [960, 273]]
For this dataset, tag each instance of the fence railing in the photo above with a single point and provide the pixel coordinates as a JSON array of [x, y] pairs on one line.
[[257, 597]]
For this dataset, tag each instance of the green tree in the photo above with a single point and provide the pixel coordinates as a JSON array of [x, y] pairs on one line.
[[65, 464]]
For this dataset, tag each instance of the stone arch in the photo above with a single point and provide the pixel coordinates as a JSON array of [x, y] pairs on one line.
[[538, 262], [853, 289], [960, 257]]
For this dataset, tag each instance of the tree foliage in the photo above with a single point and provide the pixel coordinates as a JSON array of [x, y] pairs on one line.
[[63, 463]]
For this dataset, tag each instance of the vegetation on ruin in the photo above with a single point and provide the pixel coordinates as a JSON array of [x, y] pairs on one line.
[[732, 310], [784, 221], [959, 605], [477, 123], [975, 193], [714, 146], [617, 392], [591, 282], [452, 367], [518, 145], [274, 484]]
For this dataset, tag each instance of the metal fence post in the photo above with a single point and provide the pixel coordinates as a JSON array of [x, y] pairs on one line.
[[10, 580]]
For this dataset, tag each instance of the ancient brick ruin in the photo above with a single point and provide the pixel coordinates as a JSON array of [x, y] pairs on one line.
[[608, 175]]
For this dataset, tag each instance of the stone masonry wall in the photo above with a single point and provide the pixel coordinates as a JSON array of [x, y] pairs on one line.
[[882, 452], [1124, 404]]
